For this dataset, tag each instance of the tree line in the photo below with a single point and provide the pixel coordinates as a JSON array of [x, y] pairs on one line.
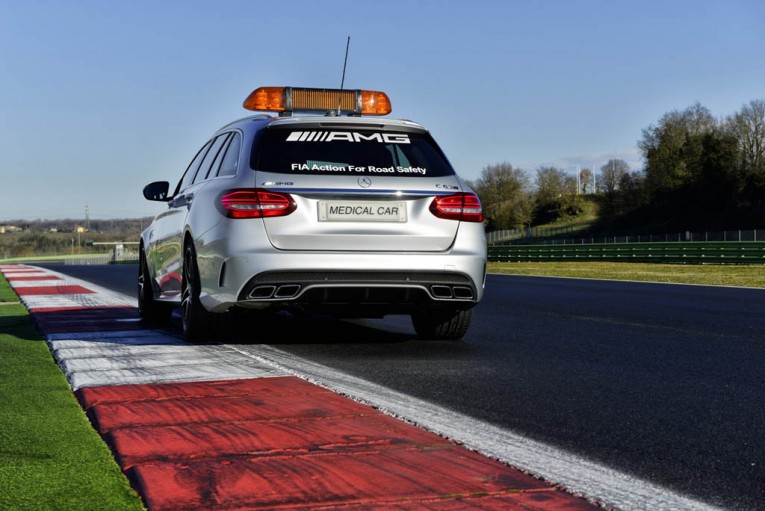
[[699, 172]]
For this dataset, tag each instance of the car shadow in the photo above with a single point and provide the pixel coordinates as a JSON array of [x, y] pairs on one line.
[[287, 329]]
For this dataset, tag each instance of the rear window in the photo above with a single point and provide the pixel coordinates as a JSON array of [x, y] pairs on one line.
[[349, 152]]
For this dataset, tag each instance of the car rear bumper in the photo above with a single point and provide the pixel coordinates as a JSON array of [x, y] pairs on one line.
[[389, 282]]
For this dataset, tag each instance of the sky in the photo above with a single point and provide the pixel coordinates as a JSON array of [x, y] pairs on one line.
[[99, 98]]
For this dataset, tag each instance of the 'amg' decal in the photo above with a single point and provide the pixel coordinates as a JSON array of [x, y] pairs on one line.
[[347, 136]]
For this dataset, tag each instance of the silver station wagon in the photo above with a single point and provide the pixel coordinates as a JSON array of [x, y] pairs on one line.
[[319, 210]]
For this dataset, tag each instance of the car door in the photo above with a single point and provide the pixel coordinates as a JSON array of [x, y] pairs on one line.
[[166, 236]]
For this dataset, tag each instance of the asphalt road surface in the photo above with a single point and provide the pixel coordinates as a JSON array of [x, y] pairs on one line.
[[665, 382]]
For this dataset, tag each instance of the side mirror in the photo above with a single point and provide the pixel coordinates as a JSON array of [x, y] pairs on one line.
[[157, 191]]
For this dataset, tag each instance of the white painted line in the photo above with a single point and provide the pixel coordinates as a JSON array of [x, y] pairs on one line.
[[150, 359], [577, 474], [133, 356], [178, 373], [101, 297], [70, 301], [93, 350], [126, 358], [34, 283]]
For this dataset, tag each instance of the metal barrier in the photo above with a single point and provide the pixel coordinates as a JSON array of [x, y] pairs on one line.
[[552, 236], [672, 252]]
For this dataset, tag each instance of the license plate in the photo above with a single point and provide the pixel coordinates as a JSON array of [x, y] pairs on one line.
[[362, 211]]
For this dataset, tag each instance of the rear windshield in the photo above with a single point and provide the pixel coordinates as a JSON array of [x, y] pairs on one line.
[[349, 152]]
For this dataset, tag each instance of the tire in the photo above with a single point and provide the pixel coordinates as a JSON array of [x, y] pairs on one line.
[[149, 310], [197, 322], [449, 325]]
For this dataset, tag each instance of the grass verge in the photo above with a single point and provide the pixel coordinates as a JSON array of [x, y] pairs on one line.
[[6, 293], [50, 456], [711, 275]]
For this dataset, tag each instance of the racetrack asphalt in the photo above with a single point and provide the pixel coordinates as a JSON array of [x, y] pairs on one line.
[[206, 427]]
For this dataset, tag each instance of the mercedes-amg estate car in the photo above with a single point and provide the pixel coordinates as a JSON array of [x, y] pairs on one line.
[[319, 210]]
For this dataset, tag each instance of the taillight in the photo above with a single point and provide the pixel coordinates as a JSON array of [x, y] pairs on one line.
[[254, 203], [459, 206]]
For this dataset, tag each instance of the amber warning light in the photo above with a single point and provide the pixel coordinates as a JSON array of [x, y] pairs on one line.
[[292, 99]]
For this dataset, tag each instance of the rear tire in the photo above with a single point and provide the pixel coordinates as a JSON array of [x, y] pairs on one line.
[[449, 325], [197, 322], [149, 309]]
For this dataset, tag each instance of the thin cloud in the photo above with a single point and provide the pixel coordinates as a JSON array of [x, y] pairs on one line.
[[592, 160]]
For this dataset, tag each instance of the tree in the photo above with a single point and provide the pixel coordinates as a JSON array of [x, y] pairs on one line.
[[748, 126], [715, 189], [551, 184], [556, 195], [586, 181], [611, 178], [632, 192], [699, 120], [672, 148], [611, 175], [505, 196]]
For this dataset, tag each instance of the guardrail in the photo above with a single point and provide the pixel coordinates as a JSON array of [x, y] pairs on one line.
[[555, 236], [672, 252]]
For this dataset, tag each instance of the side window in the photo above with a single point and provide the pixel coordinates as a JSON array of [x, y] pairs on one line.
[[213, 170], [231, 159], [191, 171], [204, 167]]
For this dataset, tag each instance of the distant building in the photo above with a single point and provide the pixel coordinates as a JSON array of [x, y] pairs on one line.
[[9, 228]]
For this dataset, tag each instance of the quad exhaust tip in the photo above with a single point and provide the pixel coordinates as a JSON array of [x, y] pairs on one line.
[[287, 291], [463, 292], [269, 291], [451, 292]]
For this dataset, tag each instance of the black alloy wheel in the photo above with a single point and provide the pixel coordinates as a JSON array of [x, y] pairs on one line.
[[196, 320]]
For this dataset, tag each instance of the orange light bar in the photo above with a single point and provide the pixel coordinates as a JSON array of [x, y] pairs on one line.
[[270, 99], [290, 99], [375, 103], [323, 100]]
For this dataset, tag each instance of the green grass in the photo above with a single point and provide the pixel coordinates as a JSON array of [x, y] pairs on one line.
[[580, 222], [6, 293], [713, 275], [50, 456]]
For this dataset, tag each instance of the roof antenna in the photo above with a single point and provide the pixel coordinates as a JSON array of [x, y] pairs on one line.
[[342, 81]]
